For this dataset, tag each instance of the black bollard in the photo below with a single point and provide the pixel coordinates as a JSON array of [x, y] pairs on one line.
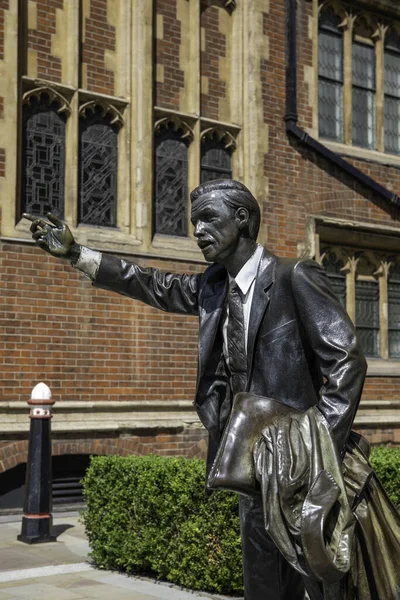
[[37, 519]]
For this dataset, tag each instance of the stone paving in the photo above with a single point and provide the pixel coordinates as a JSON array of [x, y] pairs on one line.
[[60, 570]]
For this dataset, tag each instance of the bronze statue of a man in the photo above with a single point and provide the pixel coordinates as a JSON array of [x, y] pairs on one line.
[[268, 326]]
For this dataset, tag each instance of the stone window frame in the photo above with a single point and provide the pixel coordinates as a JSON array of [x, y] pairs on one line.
[[196, 128], [182, 132], [227, 143], [134, 98], [197, 124], [54, 98], [112, 119], [353, 241], [76, 101], [381, 23]]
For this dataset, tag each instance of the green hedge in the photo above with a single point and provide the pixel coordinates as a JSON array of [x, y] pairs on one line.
[[386, 462], [148, 515]]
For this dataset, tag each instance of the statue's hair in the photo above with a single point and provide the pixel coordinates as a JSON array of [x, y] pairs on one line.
[[235, 195]]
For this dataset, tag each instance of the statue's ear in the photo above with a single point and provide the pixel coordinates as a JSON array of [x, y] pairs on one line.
[[242, 217]]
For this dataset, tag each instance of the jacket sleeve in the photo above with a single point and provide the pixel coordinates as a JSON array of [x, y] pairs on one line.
[[334, 341], [166, 291]]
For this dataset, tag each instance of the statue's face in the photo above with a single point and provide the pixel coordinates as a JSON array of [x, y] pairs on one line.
[[215, 227]]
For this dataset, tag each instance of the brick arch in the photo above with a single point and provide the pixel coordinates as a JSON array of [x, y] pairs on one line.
[[340, 202], [13, 454], [16, 452]]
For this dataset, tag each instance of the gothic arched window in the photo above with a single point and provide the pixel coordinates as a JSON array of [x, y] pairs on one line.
[[367, 317], [216, 159], [333, 267], [43, 153], [98, 166], [330, 76], [394, 311], [392, 93], [170, 206]]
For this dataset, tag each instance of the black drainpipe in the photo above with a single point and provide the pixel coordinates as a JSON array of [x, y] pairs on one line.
[[291, 115]]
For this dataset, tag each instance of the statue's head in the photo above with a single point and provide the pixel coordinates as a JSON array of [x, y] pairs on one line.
[[223, 211]]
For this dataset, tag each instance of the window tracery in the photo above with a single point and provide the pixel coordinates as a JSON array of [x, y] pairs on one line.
[[392, 91], [330, 80], [358, 77], [44, 115], [217, 146], [367, 283], [98, 163], [170, 209]]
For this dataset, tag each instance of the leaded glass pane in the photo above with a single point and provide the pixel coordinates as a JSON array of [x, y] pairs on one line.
[[394, 317], [330, 80], [330, 110], [392, 94], [329, 20], [363, 95], [98, 170], [367, 316], [330, 56], [392, 124], [43, 158], [364, 66], [215, 161], [337, 279], [171, 184], [363, 118], [392, 73]]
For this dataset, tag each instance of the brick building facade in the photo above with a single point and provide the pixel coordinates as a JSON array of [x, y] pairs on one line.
[[110, 112]]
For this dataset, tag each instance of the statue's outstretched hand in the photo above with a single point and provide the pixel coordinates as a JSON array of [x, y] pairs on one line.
[[54, 237]]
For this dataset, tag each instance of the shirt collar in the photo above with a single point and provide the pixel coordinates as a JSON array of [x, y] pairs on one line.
[[248, 272]]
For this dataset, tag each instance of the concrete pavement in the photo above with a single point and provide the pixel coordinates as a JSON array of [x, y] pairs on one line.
[[60, 570]]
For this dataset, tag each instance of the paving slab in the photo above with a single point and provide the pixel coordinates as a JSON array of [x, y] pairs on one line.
[[61, 570]]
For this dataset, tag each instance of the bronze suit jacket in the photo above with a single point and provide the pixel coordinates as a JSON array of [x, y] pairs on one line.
[[302, 346]]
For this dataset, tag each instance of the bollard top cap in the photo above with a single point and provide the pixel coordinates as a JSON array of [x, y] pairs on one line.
[[41, 391]]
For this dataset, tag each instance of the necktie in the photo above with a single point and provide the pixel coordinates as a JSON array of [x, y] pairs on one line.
[[236, 340]]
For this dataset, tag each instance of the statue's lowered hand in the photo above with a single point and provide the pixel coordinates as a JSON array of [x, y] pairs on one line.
[[53, 236]]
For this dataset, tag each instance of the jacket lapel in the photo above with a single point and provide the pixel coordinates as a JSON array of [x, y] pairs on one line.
[[211, 308], [261, 298]]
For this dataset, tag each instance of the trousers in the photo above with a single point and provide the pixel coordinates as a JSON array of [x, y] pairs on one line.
[[266, 574]]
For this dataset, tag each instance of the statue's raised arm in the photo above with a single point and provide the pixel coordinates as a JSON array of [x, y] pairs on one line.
[[54, 236]]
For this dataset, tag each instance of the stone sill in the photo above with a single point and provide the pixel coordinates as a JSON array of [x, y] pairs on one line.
[[378, 421], [131, 416], [114, 240], [380, 367], [365, 154], [103, 416]]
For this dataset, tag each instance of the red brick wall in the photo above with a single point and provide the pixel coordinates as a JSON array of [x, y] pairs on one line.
[[305, 59], [99, 36], [48, 66], [167, 49], [2, 162], [381, 388], [85, 343], [215, 47], [4, 5]]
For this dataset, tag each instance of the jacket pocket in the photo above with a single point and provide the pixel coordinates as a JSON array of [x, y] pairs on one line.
[[278, 332]]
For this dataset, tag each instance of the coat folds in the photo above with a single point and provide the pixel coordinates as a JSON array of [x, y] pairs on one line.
[[331, 521]]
